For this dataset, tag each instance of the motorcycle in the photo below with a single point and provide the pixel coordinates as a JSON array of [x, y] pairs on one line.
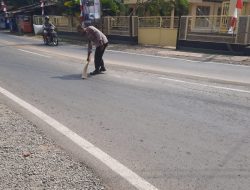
[[51, 37]]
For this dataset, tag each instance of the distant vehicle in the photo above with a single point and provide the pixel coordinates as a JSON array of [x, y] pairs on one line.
[[51, 38]]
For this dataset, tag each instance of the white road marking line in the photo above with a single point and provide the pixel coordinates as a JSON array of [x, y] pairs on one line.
[[112, 163], [167, 57], [156, 56], [205, 85], [34, 53], [180, 59]]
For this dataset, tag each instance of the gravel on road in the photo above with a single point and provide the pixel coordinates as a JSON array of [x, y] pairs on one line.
[[30, 160]]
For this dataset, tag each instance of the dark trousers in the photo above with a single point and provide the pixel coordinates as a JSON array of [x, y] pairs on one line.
[[99, 51]]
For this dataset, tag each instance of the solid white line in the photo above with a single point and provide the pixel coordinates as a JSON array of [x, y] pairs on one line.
[[205, 85], [155, 56], [180, 59], [112, 163], [34, 53]]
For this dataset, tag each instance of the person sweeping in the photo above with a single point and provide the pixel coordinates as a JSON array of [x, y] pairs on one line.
[[97, 38]]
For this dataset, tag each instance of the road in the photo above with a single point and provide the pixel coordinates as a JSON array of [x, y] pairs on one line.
[[148, 123]]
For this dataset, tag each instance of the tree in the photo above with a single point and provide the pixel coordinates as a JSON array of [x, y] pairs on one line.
[[153, 8], [110, 7], [71, 7], [181, 7], [160, 7]]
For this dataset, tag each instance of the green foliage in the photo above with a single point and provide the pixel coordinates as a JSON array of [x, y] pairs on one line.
[[154, 8], [161, 7], [70, 7], [123, 9], [181, 7], [110, 7], [71, 3]]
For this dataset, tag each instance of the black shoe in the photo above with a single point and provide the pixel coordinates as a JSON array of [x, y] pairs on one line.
[[95, 72], [102, 69]]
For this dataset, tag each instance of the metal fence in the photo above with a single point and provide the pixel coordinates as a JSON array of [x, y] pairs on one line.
[[158, 22], [243, 32], [117, 25], [215, 24], [199, 28], [63, 23], [214, 29], [121, 25]]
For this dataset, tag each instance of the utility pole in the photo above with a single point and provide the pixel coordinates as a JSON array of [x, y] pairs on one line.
[[3, 6], [180, 13], [42, 6], [82, 12]]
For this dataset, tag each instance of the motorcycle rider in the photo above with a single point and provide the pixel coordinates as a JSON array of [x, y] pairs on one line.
[[48, 28]]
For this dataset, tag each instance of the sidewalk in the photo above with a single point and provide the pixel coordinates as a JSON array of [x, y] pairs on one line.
[[172, 52], [30, 160], [166, 51]]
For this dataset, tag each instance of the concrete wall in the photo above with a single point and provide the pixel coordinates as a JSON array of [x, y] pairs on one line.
[[157, 36], [247, 9]]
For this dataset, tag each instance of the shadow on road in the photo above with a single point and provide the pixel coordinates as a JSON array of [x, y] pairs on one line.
[[69, 77]]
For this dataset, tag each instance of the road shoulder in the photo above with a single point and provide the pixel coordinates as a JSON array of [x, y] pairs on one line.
[[30, 160]]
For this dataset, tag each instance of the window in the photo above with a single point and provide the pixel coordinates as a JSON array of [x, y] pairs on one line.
[[202, 11], [219, 11]]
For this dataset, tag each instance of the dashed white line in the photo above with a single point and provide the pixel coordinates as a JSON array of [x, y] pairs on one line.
[[205, 85], [116, 166], [34, 53]]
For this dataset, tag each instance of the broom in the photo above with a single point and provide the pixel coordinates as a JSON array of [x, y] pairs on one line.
[[85, 71]]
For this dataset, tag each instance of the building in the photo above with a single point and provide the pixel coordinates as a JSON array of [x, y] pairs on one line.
[[205, 7]]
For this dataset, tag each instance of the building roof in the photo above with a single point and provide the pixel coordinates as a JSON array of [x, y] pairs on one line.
[[30, 8]]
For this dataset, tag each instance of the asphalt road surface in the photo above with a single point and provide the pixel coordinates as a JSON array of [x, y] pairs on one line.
[[148, 123]]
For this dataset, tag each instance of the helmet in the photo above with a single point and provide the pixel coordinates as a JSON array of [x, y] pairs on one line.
[[46, 17]]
